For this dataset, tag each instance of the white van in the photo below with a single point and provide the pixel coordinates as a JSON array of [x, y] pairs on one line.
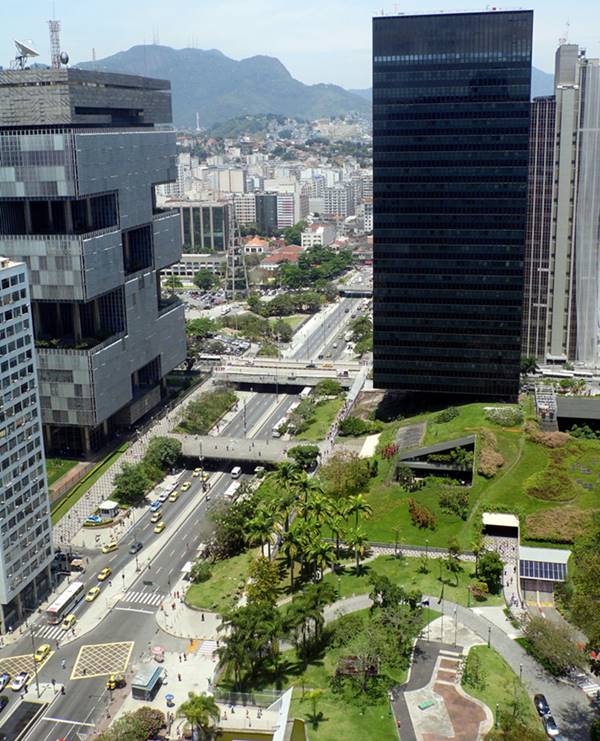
[[236, 472]]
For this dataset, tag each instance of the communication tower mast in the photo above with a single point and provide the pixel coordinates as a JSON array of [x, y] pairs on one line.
[[54, 27], [236, 275]]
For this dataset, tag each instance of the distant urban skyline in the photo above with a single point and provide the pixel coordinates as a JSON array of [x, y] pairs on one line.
[[317, 41]]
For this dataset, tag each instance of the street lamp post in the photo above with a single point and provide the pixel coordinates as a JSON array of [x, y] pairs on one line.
[[455, 624], [37, 681]]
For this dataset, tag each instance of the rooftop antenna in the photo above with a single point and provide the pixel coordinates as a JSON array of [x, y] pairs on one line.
[[54, 27], [25, 51], [565, 39]]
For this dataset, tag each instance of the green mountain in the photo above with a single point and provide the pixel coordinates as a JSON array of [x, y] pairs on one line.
[[220, 88]]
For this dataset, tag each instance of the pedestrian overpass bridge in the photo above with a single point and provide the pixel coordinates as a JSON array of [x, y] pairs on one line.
[[236, 449]]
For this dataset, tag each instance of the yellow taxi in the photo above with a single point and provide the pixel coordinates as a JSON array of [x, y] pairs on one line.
[[68, 622], [114, 681], [174, 496], [42, 652], [156, 517], [205, 476], [160, 527], [197, 472], [112, 546], [104, 574], [185, 487], [92, 594]]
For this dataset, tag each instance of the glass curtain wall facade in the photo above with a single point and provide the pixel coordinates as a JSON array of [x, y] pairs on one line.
[[450, 154]]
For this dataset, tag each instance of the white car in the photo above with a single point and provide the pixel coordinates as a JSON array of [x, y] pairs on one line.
[[164, 496], [19, 681]]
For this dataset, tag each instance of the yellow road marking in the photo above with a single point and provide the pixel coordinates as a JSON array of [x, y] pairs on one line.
[[102, 659]]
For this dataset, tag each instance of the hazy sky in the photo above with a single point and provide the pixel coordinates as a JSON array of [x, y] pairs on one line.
[[318, 40]]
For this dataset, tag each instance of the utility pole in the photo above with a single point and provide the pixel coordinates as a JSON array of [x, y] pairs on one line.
[[37, 681]]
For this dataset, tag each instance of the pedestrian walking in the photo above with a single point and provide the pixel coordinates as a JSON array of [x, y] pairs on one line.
[[63, 664], [179, 677]]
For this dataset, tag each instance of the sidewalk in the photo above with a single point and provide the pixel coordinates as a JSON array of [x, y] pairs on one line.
[[183, 622]]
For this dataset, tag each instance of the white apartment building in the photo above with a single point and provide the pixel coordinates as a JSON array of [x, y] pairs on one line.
[[318, 235], [286, 210], [245, 208], [231, 181], [184, 179], [190, 264], [339, 201], [364, 211], [25, 532]]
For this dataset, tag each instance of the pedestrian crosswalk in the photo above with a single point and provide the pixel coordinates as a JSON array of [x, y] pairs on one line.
[[587, 684], [143, 598], [50, 632], [207, 648]]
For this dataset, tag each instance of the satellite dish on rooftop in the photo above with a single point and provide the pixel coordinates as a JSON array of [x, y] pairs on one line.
[[64, 57], [24, 52]]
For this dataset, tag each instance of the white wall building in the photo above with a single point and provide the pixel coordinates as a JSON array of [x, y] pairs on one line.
[[190, 264], [339, 201], [318, 235], [245, 208], [25, 535]]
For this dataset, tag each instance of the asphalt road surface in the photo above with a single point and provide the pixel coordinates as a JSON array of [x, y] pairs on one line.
[[133, 620]]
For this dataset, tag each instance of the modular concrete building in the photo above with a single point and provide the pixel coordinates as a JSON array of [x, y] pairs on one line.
[[25, 532], [80, 155]]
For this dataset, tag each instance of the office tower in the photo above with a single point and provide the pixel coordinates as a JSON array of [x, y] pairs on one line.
[[25, 537], [450, 154], [539, 226], [573, 311], [204, 225], [80, 155], [266, 213]]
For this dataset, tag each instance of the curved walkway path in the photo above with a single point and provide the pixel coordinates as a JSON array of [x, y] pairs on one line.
[[570, 706]]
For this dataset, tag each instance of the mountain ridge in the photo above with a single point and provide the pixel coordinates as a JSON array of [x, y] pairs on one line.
[[220, 88]]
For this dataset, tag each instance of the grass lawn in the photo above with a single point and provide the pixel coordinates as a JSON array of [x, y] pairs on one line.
[[543, 520], [501, 686], [57, 467], [342, 717], [219, 593], [294, 320], [324, 416], [405, 571], [65, 504]]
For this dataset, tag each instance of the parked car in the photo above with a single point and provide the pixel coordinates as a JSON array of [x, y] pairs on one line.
[[3, 701], [541, 705], [550, 726], [4, 680], [19, 681]]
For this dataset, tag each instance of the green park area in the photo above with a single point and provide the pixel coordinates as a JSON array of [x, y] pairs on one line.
[[489, 678], [226, 583], [56, 468], [322, 418], [550, 480]]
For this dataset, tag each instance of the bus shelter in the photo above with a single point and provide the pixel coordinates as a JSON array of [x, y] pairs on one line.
[[147, 682]]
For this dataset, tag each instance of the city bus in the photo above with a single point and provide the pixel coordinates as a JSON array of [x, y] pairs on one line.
[[306, 392], [65, 603]]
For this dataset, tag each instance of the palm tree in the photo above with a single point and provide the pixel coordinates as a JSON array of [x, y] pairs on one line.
[[260, 529], [291, 548], [201, 712], [321, 554], [357, 504], [318, 506], [337, 523], [357, 540], [306, 485]]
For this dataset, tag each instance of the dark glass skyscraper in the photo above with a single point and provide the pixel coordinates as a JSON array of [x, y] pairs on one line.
[[450, 153]]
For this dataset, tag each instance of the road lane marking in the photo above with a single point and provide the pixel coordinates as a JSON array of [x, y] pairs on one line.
[[135, 609], [73, 722]]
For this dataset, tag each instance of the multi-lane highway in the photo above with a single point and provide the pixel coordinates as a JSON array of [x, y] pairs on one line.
[[131, 618]]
